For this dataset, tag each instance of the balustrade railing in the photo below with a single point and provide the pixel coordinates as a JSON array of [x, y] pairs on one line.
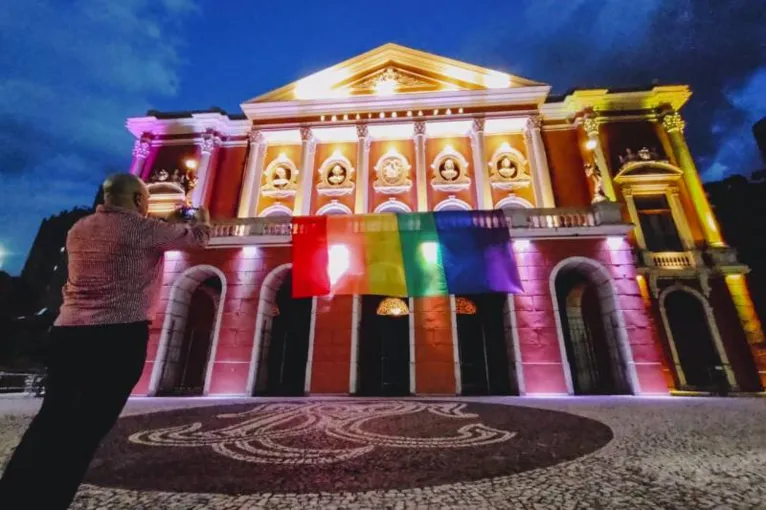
[[278, 229], [670, 259]]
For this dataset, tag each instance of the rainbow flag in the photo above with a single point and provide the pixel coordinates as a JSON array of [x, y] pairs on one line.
[[413, 254]]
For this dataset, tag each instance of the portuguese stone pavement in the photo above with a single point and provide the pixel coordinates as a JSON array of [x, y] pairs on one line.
[[570, 453]]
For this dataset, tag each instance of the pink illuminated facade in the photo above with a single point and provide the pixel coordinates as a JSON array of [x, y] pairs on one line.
[[629, 286]]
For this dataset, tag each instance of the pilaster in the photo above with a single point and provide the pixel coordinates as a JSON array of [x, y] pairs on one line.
[[248, 202], [362, 169], [591, 125], [210, 141], [483, 190], [674, 126], [421, 179], [302, 205], [141, 149], [541, 177]]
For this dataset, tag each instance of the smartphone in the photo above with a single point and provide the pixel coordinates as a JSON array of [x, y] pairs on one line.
[[189, 213]]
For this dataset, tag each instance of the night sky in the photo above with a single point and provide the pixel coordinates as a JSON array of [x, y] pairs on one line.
[[72, 71]]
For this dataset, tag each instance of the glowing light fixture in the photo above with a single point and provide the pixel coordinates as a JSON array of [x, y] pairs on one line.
[[339, 262], [249, 251], [382, 115], [449, 112], [345, 116], [614, 242], [321, 118], [191, 163], [591, 144], [464, 306], [521, 244], [333, 118], [436, 112], [393, 307], [460, 110], [430, 251], [393, 114], [420, 113], [409, 113]]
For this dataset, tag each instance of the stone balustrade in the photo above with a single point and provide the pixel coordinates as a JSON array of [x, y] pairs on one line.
[[600, 219]]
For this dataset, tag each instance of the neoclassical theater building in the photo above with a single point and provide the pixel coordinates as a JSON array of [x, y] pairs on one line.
[[629, 286]]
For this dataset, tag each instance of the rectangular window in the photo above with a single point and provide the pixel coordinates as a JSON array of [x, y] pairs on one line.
[[657, 225]]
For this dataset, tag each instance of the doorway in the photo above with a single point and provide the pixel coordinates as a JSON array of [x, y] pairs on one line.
[[284, 344], [384, 347], [485, 344]]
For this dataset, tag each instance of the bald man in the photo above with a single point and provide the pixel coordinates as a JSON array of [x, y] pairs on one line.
[[98, 341]]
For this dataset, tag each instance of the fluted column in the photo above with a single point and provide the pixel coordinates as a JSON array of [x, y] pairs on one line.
[[679, 217], [674, 126], [362, 169], [308, 150], [141, 150], [541, 177], [591, 127], [421, 178], [248, 200], [483, 191], [209, 143]]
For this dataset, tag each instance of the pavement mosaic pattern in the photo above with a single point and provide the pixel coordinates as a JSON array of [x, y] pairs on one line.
[[333, 446], [665, 453]]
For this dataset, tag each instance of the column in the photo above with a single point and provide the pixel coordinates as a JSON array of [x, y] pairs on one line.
[[633, 212], [483, 191], [209, 142], [541, 177], [591, 127], [421, 179], [674, 125], [751, 324], [248, 199], [679, 217], [141, 149], [308, 149], [362, 169]]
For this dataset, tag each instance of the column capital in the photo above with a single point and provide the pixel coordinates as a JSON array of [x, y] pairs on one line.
[[420, 128], [256, 137], [534, 123], [590, 124], [307, 134], [141, 148], [673, 122], [209, 142], [478, 125], [362, 131]]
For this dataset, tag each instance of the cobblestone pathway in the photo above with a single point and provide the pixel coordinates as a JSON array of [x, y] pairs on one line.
[[665, 453]]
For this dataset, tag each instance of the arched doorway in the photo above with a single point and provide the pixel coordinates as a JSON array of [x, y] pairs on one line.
[[284, 340], [485, 345], [591, 329], [384, 347], [189, 334], [693, 341]]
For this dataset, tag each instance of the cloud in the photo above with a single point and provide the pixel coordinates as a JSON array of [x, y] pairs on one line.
[[716, 47], [72, 72]]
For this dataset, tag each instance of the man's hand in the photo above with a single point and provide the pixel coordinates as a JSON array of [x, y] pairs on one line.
[[203, 216]]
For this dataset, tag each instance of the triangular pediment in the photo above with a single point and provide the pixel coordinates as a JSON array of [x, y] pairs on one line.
[[390, 70]]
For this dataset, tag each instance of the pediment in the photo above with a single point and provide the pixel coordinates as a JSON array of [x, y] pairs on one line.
[[390, 70], [647, 170]]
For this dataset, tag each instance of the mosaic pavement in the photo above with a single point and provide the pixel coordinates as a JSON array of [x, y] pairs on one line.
[[410, 453]]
